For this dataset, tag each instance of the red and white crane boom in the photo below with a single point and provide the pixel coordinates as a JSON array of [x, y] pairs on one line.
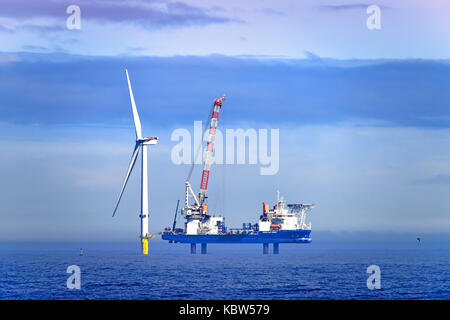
[[200, 207], [209, 149]]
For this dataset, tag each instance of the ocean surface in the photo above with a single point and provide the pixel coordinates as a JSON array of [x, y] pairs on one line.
[[300, 271]]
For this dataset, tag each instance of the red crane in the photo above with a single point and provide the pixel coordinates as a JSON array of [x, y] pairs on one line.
[[200, 207], [210, 149]]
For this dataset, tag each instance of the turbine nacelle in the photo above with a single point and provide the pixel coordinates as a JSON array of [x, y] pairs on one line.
[[147, 141]]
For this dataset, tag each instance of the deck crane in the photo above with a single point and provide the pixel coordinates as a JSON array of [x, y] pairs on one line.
[[197, 213]]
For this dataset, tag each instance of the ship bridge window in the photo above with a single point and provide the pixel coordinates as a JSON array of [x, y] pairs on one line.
[[277, 221]]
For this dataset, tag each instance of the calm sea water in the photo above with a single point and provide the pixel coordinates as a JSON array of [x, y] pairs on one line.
[[315, 271]]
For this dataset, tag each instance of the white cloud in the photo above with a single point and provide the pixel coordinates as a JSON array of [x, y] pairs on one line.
[[8, 58]]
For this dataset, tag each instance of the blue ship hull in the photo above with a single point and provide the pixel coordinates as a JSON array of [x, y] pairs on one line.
[[282, 236]]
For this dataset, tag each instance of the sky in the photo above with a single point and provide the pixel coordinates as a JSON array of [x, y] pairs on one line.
[[266, 28], [363, 115]]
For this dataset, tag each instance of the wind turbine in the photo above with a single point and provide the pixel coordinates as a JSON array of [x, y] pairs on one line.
[[140, 143]]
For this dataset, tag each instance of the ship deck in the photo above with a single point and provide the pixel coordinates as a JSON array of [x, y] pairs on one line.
[[281, 236]]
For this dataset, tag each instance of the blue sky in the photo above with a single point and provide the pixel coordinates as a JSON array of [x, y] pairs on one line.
[[363, 115]]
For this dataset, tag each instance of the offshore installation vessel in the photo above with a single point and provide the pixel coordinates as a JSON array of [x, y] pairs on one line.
[[284, 223]]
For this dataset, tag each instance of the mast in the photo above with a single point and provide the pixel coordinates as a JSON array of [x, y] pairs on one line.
[[144, 199], [209, 150]]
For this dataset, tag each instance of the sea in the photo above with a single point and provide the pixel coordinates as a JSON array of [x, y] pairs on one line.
[[414, 270]]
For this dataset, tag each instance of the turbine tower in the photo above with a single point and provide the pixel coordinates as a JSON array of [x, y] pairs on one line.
[[140, 143]]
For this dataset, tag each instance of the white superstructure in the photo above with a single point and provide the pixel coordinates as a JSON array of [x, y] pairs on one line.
[[284, 216], [207, 225]]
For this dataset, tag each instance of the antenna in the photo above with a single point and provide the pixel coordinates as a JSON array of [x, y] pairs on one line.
[[175, 219]]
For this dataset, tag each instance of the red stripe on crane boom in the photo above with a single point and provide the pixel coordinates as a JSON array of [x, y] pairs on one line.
[[210, 148]]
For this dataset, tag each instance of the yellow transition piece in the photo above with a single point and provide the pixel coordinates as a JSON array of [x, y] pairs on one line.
[[144, 245]]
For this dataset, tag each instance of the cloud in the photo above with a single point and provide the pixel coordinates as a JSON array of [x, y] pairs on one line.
[[5, 28], [12, 25], [69, 89], [345, 7], [440, 179], [146, 13], [272, 12], [311, 55], [34, 48], [8, 58], [136, 49]]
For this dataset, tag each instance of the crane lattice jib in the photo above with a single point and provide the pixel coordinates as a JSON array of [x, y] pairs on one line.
[[210, 149]]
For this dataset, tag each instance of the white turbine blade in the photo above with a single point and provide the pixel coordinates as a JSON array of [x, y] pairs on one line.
[[130, 168], [137, 121]]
